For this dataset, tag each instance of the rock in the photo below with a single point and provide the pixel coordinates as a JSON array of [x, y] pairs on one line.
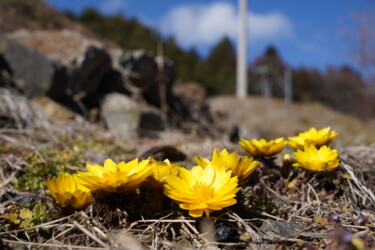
[[141, 71], [6, 78], [35, 73], [81, 65], [191, 111], [128, 118], [54, 109], [279, 228], [63, 46], [226, 232], [192, 97], [160, 153], [16, 111]]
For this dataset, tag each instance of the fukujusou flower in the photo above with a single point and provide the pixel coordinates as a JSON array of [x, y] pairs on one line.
[[202, 190], [262, 147], [314, 137], [161, 170], [323, 159], [241, 167], [67, 190], [114, 177]]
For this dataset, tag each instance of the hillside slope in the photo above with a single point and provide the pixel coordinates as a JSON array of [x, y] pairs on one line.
[[39, 15], [270, 118]]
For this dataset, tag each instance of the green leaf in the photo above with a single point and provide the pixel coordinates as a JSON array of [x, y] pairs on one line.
[[26, 214], [12, 217], [27, 223], [40, 212]]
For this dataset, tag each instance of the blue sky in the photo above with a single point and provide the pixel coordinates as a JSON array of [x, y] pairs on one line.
[[306, 33]]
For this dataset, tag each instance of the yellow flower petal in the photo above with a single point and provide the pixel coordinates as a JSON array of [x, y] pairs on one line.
[[162, 170], [202, 189], [115, 177], [67, 190], [241, 167], [262, 147], [318, 160], [314, 137]]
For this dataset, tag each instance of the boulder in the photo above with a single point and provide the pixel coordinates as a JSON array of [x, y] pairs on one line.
[[80, 65], [16, 111], [34, 73], [191, 111], [149, 75], [161, 153], [192, 97], [130, 119]]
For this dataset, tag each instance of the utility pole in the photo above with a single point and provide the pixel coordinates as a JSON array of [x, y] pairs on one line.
[[241, 84]]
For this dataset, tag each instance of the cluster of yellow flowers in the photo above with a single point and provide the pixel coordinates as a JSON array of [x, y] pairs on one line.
[[312, 154], [209, 186]]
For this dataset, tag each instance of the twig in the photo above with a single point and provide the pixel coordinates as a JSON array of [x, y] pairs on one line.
[[89, 234], [256, 238], [367, 192], [272, 217], [49, 224], [51, 245], [71, 227], [12, 140], [316, 196], [166, 221]]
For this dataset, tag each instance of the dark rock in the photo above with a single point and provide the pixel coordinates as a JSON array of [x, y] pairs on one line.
[[191, 111], [34, 72], [80, 66], [129, 118], [160, 153], [6, 78], [226, 232], [192, 97], [151, 75]]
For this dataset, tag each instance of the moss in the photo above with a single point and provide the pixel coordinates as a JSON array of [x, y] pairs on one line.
[[45, 164]]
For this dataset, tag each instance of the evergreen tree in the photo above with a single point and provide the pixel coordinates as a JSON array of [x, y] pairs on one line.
[[218, 71]]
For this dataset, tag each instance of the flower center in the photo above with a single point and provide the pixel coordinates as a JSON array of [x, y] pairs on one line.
[[203, 192]]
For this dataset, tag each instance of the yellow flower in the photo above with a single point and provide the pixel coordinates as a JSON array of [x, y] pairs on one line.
[[314, 137], [202, 189], [115, 177], [161, 170], [240, 167], [317, 160], [67, 190], [262, 147]]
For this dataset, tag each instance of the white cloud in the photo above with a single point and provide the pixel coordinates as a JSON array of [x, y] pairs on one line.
[[112, 6], [206, 24]]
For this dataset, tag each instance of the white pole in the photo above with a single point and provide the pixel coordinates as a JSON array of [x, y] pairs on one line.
[[241, 84]]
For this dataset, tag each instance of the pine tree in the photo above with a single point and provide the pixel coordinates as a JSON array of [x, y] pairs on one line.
[[218, 71]]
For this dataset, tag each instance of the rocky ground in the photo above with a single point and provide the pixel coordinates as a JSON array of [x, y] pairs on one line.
[[276, 209]]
